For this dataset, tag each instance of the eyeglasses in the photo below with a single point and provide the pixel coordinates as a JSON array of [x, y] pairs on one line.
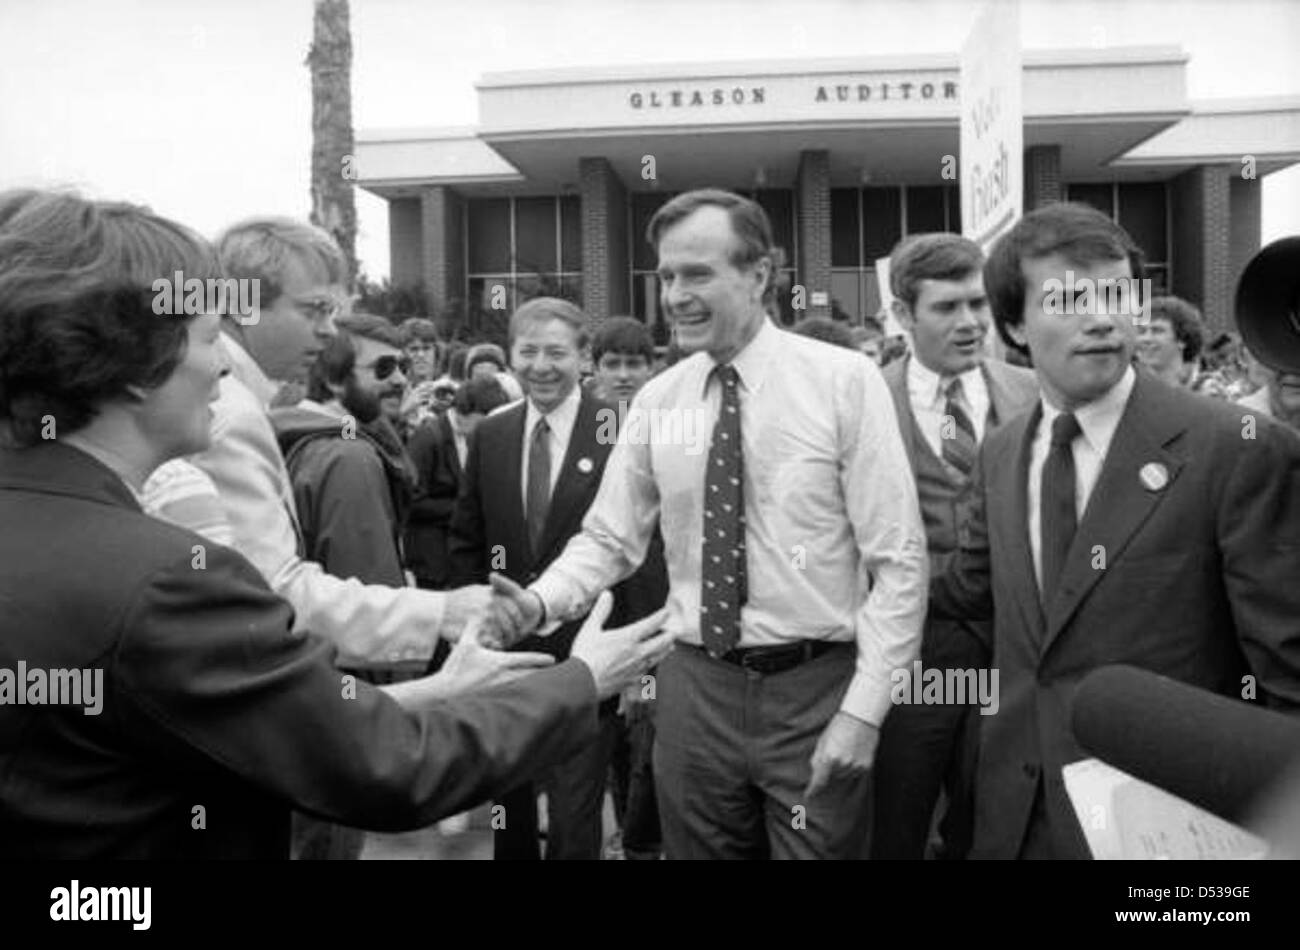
[[386, 365], [319, 308]]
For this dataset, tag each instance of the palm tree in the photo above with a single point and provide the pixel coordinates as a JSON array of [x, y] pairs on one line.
[[330, 60]]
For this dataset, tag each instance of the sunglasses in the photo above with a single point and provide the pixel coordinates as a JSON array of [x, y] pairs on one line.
[[386, 365]]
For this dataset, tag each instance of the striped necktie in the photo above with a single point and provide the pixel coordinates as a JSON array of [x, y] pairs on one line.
[[959, 437]]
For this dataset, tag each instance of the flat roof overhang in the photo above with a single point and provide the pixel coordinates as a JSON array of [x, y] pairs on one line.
[[1096, 104], [1225, 132]]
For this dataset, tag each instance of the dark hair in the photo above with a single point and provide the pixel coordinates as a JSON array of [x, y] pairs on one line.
[[749, 223], [418, 328], [1079, 233], [938, 256], [332, 367], [78, 324], [457, 353], [626, 335], [1185, 320], [479, 395], [827, 330], [370, 327], [484, 353]]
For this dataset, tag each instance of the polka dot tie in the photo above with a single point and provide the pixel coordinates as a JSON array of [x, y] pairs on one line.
[[725, 582]]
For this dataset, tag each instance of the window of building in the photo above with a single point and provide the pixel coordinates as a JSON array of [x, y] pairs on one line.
[[866, 224], [517, 249], [1141, 209]]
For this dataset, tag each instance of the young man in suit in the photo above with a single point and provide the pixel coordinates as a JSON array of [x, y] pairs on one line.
[[1120, 520], [532, 471], [948, 397]]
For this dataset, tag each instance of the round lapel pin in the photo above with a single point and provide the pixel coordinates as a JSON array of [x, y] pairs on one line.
[[585, 466], [1154, 476]]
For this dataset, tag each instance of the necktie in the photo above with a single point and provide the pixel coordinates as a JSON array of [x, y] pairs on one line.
[[725, 580], [539, 484], [959, 444], [1057, 511]]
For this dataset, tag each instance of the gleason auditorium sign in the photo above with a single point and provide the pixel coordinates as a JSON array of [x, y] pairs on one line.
[[757, 95]]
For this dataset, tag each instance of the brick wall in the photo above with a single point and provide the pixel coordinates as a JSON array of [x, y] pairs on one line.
[[814, 264], [443, 251], [1202, 225], [604, 240], [1042, 165]]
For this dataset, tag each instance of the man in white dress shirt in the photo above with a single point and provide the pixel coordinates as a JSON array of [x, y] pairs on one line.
[[795, 551]]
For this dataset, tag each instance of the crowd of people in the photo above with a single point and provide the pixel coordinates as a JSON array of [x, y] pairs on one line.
[[341, 574]]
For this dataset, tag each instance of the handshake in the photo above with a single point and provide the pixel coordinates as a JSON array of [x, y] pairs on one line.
[[488, 619]]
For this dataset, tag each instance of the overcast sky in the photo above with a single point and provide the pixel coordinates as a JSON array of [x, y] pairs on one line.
[[202, 109]]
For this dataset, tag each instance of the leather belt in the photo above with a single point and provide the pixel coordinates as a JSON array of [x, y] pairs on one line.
[[775, 659]]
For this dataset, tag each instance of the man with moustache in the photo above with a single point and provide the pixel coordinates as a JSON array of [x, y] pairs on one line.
[[1120, 520], [352, 486], [352, 480], [948, 396], [795, 551], [532, 470]]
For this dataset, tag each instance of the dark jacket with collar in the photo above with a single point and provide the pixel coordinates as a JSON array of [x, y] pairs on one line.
[[1195, 579], [432, 448], [352, 490], [209, 699], [488, 530]]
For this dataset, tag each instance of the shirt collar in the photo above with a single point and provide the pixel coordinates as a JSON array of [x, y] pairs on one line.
[[929, 385], [560, 419], [245, 369], [1100, 418], [754, 359]]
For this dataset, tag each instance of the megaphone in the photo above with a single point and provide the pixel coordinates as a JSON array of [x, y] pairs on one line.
[[1268, 305]]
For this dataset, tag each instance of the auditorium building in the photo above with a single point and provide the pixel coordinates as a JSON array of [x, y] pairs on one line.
[[552, 190]]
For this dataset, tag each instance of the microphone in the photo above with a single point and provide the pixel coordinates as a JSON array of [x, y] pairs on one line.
[[1218, 753]]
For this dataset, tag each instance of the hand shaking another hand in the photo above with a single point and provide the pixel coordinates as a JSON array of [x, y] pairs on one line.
[[512, 614]]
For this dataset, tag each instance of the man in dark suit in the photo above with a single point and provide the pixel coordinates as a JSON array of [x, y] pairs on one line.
[[439, 449], [948, 397], [1120, 520], [532, 472]]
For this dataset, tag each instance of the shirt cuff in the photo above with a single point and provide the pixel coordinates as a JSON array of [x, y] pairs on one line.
[[866, 699], [553, 601]]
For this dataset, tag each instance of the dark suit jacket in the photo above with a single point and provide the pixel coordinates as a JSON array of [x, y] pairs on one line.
[[1199, 584], [209, 699], [433, 450], [489, 517]]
